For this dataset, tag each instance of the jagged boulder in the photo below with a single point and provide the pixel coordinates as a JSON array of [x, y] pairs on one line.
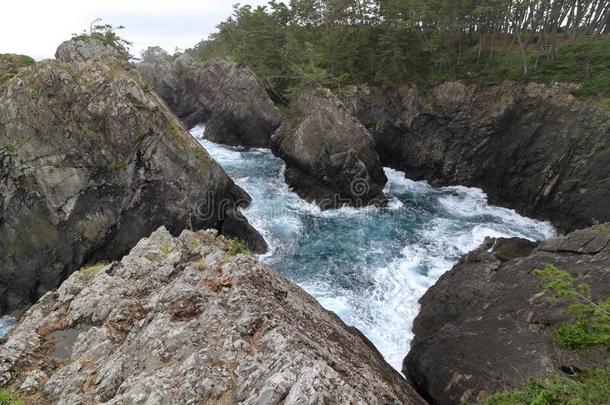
[[330, 156], [487, 325], [90, 162], [94, 47], [223, 95], [182, 321], [533, 148]]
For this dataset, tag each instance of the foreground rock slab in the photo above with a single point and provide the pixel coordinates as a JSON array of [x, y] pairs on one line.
[[182, 321], [533, 148], [91, 161], [223, 95], [330, 157], [487, 326]]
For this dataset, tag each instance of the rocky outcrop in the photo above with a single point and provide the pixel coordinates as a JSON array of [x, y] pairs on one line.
[[90, 162], [330, 156], [181, 321], [223, 95], [11, 64], [96, 47], [487, 326], [532, 148]]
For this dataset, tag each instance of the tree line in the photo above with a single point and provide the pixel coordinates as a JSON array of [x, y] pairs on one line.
[[388, 42]]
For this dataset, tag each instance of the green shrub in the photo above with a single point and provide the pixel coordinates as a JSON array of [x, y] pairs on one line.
[[8, 397], [591, 326], [239, 247], [590, 387]]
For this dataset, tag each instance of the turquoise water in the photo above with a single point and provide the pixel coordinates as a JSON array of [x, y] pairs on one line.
[[370, 266]]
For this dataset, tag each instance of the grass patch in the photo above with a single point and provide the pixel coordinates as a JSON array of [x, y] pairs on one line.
[[8, 397], [113, 167], [136, 102], [166, 249], [239, 247], [591, 387], [93, 269]]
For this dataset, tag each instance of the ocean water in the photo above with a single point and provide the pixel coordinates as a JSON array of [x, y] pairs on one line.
[[370, 266], [6, 323]]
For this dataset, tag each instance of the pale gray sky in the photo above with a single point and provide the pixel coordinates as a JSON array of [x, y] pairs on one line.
[[36, 27]]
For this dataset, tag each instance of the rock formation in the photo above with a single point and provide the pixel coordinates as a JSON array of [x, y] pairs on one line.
[[91, 161], [487, 326], [330, 156], [11, 64], [225, 96], [532, 148], [182, 321]]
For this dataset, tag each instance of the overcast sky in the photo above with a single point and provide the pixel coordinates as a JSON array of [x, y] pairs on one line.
[[35, 28]]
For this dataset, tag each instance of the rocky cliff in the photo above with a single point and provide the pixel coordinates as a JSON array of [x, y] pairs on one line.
[[330, 157], [532, 148], [225, 96], [487, 325], [183, 321], [91, 161]]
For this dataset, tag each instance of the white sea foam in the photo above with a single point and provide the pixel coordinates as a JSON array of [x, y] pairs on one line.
[[6, 323], [372, 265]]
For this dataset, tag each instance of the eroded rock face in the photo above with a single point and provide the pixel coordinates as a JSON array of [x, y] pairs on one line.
[[223, 95], [331, 158], [90, 162], [85, 49], [487, 326], [532, 148], [11, 64], [181, 321]]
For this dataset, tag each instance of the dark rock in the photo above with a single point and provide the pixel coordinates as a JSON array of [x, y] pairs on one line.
[[90, 162], [330, 156], [487, 326], [223, 95], [182, 321], [235, 224], [532, 148]]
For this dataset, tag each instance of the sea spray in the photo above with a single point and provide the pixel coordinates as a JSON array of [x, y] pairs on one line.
[[370, 266]]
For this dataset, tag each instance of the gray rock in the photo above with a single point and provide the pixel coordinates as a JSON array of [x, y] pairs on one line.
[[181, 321], [330, 156], [85, 48], [532, 148], [487, 325], [223, 95], [91, 161]]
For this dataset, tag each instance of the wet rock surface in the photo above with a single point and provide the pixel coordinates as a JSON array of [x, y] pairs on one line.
[[91, 161], [223, 95], [180, 320], [330, 157], [533, 148], [487, 326]]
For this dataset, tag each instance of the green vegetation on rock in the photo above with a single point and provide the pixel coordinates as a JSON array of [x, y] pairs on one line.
[[590, 330], [8, 397], [591, 326], [11, 64], [390, 42], [239, 247], [93, 269], [591, 387]]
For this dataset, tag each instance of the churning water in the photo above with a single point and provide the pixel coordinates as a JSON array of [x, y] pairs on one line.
[[370, 266]]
